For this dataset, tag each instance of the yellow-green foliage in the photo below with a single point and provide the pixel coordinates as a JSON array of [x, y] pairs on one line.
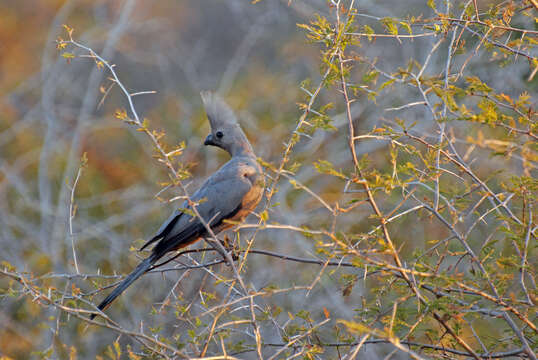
[[399, 145]]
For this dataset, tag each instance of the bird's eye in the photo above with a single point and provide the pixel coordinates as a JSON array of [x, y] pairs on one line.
[[219, 134]]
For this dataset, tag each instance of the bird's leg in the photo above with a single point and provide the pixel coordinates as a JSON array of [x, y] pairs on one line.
[[227, 244]]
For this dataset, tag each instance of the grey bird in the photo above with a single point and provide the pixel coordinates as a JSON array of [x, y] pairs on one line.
[[231, 194]]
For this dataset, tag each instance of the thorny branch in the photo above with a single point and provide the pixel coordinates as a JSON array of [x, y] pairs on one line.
[[444, 287]]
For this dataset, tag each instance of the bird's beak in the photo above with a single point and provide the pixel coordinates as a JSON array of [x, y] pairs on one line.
[[209, 140]]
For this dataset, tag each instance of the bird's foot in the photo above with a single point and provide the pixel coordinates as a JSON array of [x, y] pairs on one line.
[[230, 248]]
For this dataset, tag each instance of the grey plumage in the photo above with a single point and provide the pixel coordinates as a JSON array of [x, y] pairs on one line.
[[231, 193]]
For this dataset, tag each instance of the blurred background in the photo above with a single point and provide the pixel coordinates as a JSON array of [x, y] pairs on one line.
[[53, 109]]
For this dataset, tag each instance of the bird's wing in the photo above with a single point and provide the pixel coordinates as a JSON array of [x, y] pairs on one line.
[[219, 198], [165, 227]]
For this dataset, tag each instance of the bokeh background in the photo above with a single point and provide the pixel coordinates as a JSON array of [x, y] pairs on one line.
[[53, 109]]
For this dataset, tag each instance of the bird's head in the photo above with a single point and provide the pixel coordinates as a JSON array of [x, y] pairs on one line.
[[225, 130], [222, 136]]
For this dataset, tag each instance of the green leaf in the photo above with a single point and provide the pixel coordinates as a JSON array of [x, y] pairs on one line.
[[368, 30], [386, 83], [370, 76], [117, 348], [407, 27], [68, 55], [475, 84], [390, 25], [326, 167]]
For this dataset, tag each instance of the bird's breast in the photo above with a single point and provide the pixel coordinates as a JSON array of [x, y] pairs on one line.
[[249, 203], [253, 196]]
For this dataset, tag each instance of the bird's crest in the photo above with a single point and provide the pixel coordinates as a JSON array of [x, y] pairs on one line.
[[218, 112]]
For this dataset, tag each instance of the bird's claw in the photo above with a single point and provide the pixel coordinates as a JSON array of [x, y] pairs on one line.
[[229, 247]]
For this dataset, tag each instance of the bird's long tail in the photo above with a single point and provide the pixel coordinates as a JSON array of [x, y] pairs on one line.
[[137, 272]]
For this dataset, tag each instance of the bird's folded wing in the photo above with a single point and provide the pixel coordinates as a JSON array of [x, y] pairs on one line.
[[218, 199]]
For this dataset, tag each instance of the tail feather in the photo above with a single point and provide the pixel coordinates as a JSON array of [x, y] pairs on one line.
[[187, 236], [137, 272]]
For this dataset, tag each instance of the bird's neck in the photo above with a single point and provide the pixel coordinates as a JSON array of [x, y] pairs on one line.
[[242, 146], [242, 149]]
